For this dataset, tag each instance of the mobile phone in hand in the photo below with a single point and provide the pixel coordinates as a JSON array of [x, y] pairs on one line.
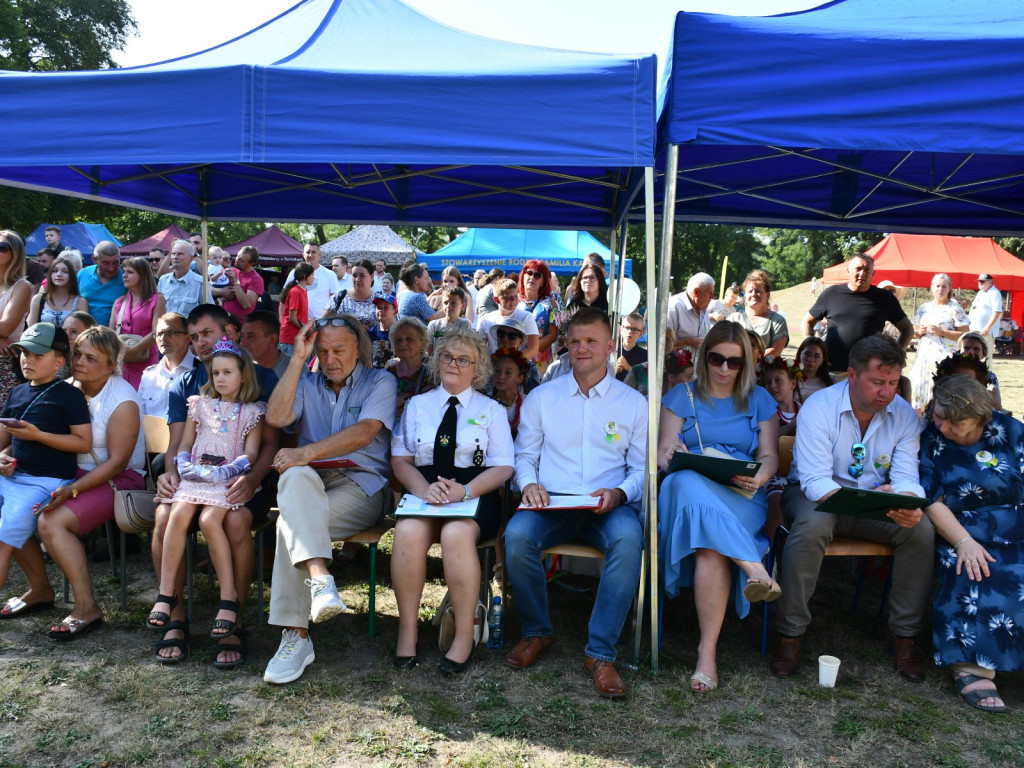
[[16, 423]]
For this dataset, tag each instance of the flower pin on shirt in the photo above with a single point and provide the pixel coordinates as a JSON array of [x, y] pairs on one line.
[[883, 461], [986, 459], [611, 432], [480, 421]]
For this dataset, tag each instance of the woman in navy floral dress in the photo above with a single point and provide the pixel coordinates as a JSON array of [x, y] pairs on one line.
[[971, 462]]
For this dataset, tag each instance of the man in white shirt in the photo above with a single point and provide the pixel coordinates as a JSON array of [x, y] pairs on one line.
[[857, 434], [325, 282], [182, 288], [176, 358], [379, 268], [986, 309], [339, 266], [688, 311], [598, 450]]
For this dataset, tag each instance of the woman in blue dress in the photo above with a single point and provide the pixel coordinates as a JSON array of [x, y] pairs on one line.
[[972, 463], [708, 533]]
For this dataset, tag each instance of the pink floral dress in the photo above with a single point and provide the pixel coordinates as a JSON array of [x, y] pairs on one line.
[[220, 437]]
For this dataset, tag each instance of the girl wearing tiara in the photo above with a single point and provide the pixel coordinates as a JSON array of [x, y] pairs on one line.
[[220, 441]]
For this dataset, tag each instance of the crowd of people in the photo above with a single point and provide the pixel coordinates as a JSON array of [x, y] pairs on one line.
[[502, 384]]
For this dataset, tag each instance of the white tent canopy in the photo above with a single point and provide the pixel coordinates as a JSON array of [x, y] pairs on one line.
[[370, 241]]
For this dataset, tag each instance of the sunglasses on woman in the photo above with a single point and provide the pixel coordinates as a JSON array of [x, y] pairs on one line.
[[715, 360]]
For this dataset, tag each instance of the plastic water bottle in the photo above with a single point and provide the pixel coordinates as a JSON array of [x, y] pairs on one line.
[[496, 624]]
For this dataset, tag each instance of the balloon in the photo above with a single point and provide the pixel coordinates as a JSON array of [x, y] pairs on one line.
[[630, 295]]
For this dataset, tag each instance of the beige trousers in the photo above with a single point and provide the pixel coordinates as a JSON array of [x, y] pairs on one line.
[[316, 507]]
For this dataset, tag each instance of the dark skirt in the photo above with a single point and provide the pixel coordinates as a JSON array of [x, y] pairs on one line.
[[488, 513]]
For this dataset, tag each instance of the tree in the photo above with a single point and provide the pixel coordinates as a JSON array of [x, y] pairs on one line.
[[794, 256], [55, 35]]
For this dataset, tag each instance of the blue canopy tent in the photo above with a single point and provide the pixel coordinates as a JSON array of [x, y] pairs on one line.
[[354, 111], [563, 251], [859, 114], [80, 235]]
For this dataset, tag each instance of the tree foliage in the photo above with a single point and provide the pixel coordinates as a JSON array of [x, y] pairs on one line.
[[794, 256], [55, 35]]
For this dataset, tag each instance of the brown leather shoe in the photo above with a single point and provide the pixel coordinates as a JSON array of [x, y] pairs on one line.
[[606, 679], [907, 658], [786, 659], [526, 651]]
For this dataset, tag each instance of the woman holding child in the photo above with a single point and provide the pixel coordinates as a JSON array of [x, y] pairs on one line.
[[709, 532]]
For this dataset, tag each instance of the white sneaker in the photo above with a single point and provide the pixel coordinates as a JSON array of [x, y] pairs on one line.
[[293, 656], [327, 603]]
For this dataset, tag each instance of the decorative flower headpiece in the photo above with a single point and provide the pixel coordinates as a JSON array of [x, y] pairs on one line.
[[959, 360], [515, 356], [682, 357], [227, 347]]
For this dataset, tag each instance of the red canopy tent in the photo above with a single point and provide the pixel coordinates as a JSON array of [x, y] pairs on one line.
[[912, 260], [276, 248], [161, 239]]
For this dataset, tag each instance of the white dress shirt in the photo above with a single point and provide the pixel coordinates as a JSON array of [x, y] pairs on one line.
[[827, 429], [482, 423], [595, 442], [156, 384], [684, 320]]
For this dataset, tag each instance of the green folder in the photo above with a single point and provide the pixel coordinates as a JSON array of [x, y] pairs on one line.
[[714, 468], [873, 505]]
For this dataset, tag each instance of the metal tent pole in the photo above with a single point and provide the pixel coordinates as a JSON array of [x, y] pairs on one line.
[[649, 554], [204, 255], [657, 321]]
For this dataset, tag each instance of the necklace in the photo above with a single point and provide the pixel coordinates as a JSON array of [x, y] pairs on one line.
[[221, 420]]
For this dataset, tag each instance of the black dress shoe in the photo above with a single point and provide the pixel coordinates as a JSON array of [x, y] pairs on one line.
[[449, 667], [404, 662]]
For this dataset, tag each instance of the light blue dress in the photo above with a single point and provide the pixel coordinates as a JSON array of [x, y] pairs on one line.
[[697, 513]]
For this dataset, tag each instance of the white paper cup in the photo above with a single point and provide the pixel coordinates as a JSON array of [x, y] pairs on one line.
[[828, 669]]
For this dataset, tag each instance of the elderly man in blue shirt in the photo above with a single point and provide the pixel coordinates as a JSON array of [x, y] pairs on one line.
[[598, 450], [856, 434], [345, 411]]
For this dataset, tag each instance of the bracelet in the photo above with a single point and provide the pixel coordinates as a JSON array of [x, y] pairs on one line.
[[964, 540]]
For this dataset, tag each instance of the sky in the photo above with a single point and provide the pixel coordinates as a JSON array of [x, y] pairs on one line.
[[167, 30]]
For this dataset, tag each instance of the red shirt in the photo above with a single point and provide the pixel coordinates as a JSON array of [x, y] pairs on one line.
[[299, 301], [250, 281]]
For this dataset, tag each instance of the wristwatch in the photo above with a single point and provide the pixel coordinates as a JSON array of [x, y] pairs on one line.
[[624, 497], [467, 497], [74, 491]]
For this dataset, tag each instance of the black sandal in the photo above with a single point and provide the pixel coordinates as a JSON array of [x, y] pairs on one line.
[[160, 616], [241, 648], [225, 624], [181, 643]]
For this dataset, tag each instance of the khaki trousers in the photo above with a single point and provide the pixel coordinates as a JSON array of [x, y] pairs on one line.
[[316, 507], [809, 534]]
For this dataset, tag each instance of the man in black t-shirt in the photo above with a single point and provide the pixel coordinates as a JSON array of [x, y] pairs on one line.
[[854, 311]]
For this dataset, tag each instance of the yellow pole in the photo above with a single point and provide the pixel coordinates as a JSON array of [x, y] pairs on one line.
[[721, 284]]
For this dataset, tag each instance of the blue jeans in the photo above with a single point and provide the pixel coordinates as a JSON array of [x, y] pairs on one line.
[[618, 534], [18, 494]]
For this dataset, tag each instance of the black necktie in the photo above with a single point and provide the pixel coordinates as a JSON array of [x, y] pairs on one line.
[[444, 441]]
